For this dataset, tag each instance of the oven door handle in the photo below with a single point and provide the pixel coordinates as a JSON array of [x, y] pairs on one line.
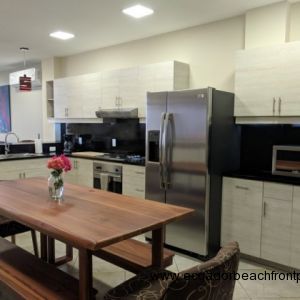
[[110, 174]]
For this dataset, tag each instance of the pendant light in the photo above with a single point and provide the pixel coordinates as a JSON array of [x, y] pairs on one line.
[[24, 81]]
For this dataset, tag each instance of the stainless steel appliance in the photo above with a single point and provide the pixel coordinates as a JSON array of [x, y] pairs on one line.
[[191, 140], [68, 143], [108, 177], [286, 160], [119, 113]]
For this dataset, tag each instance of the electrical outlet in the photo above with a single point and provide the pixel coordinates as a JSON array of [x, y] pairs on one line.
[[52, 149], [114, 142]]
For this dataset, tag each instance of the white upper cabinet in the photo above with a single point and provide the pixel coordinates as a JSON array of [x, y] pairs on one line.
[[267, 81], [165, 76], [80, 96], [110, 89], [119, 89], [90, 97], [77, 96]]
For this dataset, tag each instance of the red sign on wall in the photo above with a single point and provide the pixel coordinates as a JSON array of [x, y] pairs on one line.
[[25, 83]]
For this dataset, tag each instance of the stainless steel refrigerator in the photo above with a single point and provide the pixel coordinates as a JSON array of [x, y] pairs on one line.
[[191, 140]]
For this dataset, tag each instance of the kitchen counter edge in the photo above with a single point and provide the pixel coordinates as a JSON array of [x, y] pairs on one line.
[[72, 156], [264, 177]]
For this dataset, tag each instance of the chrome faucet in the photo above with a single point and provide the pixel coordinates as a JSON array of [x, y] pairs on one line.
[[6, 143]]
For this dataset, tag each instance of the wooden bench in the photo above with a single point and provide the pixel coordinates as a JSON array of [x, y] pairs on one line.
[[32, 278], [132, 255]]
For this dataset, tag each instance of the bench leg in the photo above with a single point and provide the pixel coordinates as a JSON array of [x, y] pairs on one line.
[[85, 274], [34, 243], [158, 247], [13, 239]]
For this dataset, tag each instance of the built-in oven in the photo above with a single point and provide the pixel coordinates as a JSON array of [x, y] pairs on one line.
[[108, 177], [286, 160]]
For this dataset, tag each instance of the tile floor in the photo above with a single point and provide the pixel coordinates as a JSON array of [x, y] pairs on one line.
[[107, 275]]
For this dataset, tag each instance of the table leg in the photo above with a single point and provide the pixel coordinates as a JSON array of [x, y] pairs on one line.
[[85, 274], [157, 247], [44, 247]]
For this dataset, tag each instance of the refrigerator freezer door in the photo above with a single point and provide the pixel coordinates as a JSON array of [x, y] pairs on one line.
[[188, 178], [156, 109]]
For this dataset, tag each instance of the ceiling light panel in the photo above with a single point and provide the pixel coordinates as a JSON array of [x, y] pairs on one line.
[[61, 35], [138, 11]]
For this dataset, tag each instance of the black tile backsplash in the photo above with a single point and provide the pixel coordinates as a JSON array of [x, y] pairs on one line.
[[129, 135], [257, 142]]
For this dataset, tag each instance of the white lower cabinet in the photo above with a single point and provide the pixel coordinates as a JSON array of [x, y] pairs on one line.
[[276, 222], [241, 214], [133, 183], [295, 234], [81, 173], [25, 168], [264, 218]]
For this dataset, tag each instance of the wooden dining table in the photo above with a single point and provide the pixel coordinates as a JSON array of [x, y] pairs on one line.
[[87, 219]]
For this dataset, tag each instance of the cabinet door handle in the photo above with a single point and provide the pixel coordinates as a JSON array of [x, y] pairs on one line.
[[139, 190], [264, 208], [279, 106], [139, 173], [242, 188], [20, 175], [274, 104], [24, 175]]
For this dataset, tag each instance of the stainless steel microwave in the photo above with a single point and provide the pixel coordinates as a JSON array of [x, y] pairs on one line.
[[286, 160]]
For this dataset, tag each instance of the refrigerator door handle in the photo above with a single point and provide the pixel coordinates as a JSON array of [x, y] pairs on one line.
[[162, 150], [168, 149]]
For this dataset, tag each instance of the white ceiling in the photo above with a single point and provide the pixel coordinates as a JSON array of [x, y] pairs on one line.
[[98, 23]]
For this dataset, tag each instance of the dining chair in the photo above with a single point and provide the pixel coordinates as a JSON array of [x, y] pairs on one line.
[[11, 228], [211, 280]]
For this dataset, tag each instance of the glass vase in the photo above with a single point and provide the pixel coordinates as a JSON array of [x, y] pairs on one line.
[[56, 186]]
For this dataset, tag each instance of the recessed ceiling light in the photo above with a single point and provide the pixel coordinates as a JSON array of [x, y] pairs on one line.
[[138, 11], [61, 35]]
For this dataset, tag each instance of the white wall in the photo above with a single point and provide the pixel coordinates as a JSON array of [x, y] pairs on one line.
[[209, 49], [295, 22], [4, 78], [26, 109], [26, 113], [267, 25]]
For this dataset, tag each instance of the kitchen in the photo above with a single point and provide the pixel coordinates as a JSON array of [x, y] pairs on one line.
[[209, 54]]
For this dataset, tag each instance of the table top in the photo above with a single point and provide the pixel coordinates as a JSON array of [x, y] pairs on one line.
[[87, 218]]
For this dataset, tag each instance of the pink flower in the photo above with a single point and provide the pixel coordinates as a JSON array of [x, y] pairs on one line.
[[67, 163], [59, 163]]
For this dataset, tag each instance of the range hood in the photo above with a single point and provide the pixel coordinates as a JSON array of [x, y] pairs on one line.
[[118, 113]]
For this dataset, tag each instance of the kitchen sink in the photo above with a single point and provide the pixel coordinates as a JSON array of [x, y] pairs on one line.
[[17, 155]]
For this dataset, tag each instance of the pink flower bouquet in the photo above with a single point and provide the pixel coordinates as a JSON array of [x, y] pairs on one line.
[[58, 164]]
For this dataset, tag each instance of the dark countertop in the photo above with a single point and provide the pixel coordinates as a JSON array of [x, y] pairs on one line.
[[21, 157], [107, 160], [36, 156], [263, 176]]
